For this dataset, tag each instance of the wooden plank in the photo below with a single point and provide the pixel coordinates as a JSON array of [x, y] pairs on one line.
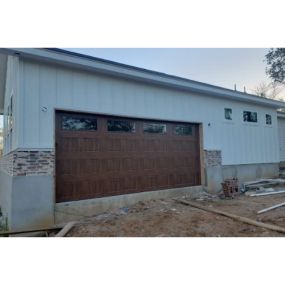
[[7, 233], [253, 186], [264, 181], [233, 216], [66, 229], [271, 208], [266, 194]]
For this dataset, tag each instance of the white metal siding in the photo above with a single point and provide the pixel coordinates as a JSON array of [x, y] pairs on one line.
[[55, 87], [11, 89], [281, 132]]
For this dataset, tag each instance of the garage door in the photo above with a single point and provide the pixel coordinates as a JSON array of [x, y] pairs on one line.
[[99, 156]]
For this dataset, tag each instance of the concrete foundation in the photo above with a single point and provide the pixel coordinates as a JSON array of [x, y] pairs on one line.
[[246, 172], [5, 198], [73, 211], [27, 201], [32, 202]]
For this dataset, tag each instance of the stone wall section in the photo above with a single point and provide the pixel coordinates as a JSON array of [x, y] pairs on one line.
[[212, 158], [28, 163]]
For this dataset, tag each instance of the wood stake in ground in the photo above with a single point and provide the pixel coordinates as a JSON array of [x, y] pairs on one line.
[[233, 216], [66, 229]]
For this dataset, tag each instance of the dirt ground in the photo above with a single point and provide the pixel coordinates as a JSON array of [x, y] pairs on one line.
[[168, 218]]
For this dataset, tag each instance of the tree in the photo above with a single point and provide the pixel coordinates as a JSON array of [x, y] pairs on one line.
[[267, 90], [276, 64]]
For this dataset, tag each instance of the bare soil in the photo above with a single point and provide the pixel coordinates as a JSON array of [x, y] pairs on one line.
[[168, 218]]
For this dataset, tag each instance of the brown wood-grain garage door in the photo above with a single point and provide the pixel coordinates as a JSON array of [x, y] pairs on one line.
[[99, 156]]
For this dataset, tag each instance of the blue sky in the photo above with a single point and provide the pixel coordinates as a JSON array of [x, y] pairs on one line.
[[219, 66]]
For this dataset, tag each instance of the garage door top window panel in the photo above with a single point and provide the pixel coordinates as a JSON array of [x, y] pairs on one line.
[[154, 128], [183, 130], [77, 123], [121, 126]]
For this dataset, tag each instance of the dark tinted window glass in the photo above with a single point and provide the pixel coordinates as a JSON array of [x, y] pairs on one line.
[[183, 130], [154, 128], [268, 119], [78, 124], [249, 116], [228, 114], [121, 126]]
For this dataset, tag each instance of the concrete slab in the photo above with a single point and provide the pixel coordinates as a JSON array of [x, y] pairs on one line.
[[32, 202], [73, 211]]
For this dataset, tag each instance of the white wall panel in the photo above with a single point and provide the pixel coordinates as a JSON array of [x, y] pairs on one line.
[[11, 90], [47, 93], [55, 87], [281, 131], [31, 104]]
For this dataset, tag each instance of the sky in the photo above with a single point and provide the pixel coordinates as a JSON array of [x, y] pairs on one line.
[[218, 66], [224, 67]]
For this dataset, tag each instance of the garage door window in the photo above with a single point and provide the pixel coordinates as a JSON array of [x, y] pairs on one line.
[[121, 126], [154, 128], [183, 130], [70, 123]]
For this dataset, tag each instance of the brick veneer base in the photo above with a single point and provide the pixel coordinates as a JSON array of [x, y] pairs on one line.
[[212, 158], [27, 163]]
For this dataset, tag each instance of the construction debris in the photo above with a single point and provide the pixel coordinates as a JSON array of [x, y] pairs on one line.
[[262, 186], [267, 193], [234, 217], [10, 233], [271, 208], [66, 229], [230, 187]]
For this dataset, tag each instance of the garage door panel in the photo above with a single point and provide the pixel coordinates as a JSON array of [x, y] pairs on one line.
[[100, 163]]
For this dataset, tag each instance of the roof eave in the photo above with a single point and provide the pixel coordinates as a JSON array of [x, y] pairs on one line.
[[124, 71]]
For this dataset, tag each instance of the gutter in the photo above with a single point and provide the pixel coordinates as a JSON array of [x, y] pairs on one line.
[[281, 115]]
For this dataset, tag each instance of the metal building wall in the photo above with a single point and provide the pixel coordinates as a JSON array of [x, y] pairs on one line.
[[44, 88], [281, 133]]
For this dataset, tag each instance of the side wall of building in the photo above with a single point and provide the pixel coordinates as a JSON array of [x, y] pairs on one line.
[[45, 88]]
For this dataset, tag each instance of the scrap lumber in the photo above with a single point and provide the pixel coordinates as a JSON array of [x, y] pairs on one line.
[[233, 216], [271, 208], [66, 229], [265, 181], [8, 233], [266, 194], [259, 185], [262, 183]]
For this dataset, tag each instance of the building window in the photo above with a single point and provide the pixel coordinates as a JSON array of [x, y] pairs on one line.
[[75, 123], [183, 130], [228, 114], [154, 128], [268, 119], [250, 116], [121, 126]]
